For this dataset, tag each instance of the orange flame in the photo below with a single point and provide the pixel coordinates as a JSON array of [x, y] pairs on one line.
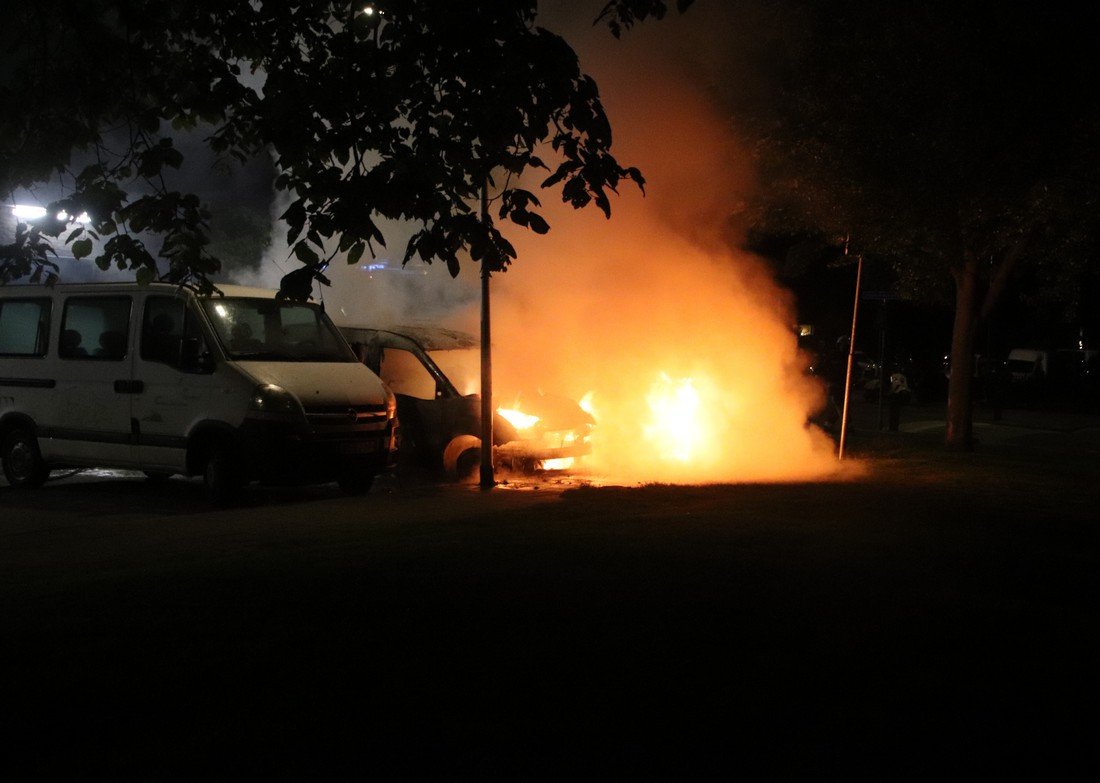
[[518, 419], [680, 343], [563, 463], [683, 341], [676, 424]]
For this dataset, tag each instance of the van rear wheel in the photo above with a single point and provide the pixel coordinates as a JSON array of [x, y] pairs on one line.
[[23, 465]]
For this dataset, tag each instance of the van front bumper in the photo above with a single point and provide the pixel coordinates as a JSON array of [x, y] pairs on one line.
[[286, 453]]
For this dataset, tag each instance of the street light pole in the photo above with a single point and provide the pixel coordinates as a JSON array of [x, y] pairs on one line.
[[487, 480], [851, 352]]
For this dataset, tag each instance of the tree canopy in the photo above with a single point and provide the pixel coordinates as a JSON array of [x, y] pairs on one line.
[[952, 140], [403, 110]]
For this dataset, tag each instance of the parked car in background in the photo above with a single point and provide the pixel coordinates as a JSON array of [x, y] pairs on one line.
[[434, 374], [1026, 366]]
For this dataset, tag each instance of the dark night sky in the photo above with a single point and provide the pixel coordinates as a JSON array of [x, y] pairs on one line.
[[728, 45]]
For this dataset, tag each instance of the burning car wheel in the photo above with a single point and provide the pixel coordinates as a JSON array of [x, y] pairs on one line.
[[23, 465], [468, 465]]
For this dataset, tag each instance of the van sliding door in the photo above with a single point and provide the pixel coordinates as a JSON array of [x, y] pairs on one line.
[[91, 424]]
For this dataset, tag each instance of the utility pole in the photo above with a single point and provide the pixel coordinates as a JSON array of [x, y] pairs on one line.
[[486, 472]]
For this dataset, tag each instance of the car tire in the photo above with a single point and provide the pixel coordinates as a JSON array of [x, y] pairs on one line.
[[222, 475], [23, 464], [468, 465]]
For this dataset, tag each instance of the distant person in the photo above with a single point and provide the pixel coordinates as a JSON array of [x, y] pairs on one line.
[[898, 396]]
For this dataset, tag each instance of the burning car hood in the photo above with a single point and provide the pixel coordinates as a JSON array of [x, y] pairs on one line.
[[554, 411]]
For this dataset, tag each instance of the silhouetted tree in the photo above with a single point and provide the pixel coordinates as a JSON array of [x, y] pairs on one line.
[[951, 139], [398, 109]]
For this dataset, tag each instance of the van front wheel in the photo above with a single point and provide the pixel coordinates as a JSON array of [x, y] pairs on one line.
[[222, 476], [23, 465]]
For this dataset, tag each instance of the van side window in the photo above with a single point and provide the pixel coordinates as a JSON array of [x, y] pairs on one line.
[[24, 327], [162, 330], [95, 327]]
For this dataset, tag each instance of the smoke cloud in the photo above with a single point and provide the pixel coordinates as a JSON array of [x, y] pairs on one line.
[[684, 344]]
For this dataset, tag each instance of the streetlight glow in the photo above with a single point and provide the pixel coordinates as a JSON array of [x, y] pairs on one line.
[[28, 212]]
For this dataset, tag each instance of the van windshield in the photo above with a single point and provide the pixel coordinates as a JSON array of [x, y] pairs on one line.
[[266, 330]]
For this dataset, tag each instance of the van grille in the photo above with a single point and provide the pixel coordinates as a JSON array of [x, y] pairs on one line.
[[344, 415]]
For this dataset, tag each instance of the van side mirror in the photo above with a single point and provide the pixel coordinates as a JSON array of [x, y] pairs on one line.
[[194, 358]]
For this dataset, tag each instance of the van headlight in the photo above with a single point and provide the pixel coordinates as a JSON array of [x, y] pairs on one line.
[[269, 398], [391, 403]]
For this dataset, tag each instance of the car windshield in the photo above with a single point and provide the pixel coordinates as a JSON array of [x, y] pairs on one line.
[[266, 330]]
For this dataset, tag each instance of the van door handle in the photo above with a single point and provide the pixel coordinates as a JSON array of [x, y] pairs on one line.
[[129, 387]]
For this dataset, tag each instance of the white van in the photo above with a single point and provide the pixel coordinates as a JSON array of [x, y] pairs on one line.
[[235, 386]]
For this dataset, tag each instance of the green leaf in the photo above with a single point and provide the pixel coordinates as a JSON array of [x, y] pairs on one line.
[[538, 225], [82, 248], [433, 100], [306, 254], [603, 203]]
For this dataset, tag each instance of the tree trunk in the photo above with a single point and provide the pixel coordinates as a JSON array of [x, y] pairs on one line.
[[960, 427]]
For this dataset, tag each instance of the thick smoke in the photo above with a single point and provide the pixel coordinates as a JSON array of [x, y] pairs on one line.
[[378, 291], [656, 303], [654, 307]]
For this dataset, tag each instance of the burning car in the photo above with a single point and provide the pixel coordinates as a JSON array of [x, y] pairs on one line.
[[433, 372]]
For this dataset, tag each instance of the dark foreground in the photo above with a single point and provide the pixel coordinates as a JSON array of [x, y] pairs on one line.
[[936, 617]]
